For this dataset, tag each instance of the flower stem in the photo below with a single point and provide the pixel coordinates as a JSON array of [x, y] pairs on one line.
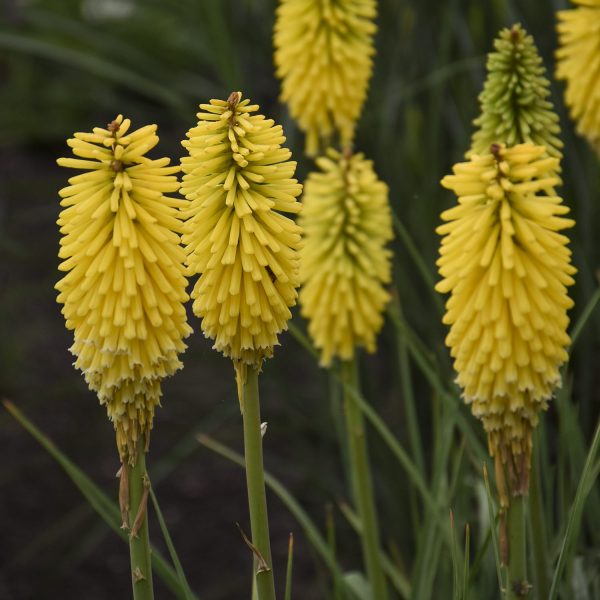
[[518, 586], [255, 481], [363, 483], [538, 530], [139, 539]]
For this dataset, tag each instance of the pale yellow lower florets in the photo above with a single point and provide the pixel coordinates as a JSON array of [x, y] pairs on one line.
[[507, 270], [124, 290], [578, 64], [344, 262]]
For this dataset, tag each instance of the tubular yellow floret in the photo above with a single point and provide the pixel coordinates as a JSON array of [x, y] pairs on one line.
[[238, 181], [124, 290], [507, 270], [323, 55], [578, 64], [344, 262]]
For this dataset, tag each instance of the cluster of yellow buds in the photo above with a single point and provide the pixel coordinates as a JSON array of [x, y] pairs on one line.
[[124, 290], [507, 269], [239, 182]]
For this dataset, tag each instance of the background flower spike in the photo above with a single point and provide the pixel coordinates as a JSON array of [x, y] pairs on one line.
[[514, 102], [124, 287], [324, 58], [345, 264], [577, 64]]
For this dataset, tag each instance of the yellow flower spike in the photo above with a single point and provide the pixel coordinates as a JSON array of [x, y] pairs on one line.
[[344, 262], [324, 56], [124, 290], [238, 181], [507, 270], [578, 65]]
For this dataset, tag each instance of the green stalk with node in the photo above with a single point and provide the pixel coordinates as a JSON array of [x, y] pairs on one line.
[[123, 295], [345, 267], [507, 333], [239, 185]]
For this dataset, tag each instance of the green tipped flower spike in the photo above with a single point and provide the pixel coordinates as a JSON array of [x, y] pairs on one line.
[[514, 102]]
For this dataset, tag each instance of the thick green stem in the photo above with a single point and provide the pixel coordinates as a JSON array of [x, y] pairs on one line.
[[538, 530], [255, 481], [518, 586], [363, 484], [139, 539]]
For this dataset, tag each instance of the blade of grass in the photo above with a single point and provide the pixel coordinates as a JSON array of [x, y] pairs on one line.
[[386, 435], [428, 554], [221, 37], [76, 29], [490, 502], [398, 579], [330, 529], [412, 423], [171, 548], [584, 317], [572, 458], [397, 450], [418, 260], [429, 371], [302, 339], [289, 568], [586, 482], [477, 561], [456, 590], [107, 509], [465, 586], [95, 65]]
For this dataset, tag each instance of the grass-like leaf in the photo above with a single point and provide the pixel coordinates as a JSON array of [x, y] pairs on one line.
[[289, 568], [398, 579], [101, 67], [490, 502], [107, 509], [171, 547], [586, 482]]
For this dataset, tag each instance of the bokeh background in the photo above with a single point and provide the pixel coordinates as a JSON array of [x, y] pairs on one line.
[[70, 65]]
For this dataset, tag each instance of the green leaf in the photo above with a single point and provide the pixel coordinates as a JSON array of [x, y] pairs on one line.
[[171, 547], [398, 579], [490, 503], [93, 64], [107, 509], [358, 585], [586, 481], [289, 568]]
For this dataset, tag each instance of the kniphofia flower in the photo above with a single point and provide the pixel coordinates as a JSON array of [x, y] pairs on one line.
[[515, 105], [323, 55], [124, 287], [578, 64], [239, 183], [344, 262], [507, 269]]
